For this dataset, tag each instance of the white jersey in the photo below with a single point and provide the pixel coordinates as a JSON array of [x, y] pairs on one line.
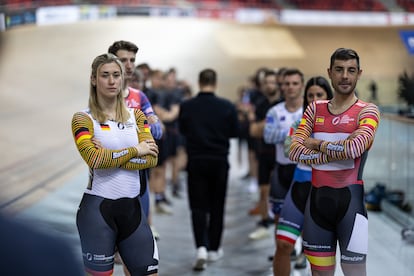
[[115, 183], [277, 126]]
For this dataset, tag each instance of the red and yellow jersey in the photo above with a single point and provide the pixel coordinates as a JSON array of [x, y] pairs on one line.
[[133, 99], [347, 138], [137, 99]]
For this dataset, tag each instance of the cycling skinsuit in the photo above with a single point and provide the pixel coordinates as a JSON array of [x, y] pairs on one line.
[[277, 126], [335, 210], [110, 213], [290, 222], [137, 99]]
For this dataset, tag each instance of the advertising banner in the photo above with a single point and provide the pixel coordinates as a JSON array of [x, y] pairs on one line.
[[17, 18], [407, 37]]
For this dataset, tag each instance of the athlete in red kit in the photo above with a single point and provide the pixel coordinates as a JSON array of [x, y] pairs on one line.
[[343, 130]]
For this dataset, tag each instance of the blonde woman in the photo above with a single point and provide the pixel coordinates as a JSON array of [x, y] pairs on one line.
[[110, 214]]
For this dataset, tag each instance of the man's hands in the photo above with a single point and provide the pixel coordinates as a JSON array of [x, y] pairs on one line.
[[312, 143], [156, 127]]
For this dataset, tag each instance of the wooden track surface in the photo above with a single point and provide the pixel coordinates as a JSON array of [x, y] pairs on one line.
[[44, 76]]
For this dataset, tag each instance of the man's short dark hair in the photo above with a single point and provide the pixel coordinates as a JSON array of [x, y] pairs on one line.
[[207, 77], [144, 66], [270, 72], [122, 45], [294, 71], [344, 54]]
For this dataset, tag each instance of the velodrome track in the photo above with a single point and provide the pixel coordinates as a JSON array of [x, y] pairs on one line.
[[44, 76]]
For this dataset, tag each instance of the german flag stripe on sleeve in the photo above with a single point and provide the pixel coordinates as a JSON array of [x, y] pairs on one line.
[[82, 134], [146, 126], [368, 122]]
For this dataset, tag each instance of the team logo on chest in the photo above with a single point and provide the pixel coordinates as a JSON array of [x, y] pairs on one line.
[[122, 126], [339, 120]]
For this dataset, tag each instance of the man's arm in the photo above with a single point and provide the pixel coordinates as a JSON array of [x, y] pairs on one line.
[[301, 152], [256, 129], [155, 124], [308, 150], [234, 122], [167, 115], [359, 141], [272, 132]]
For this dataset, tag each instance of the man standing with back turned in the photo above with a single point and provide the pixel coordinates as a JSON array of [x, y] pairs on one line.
[[334, 136], [207, 123]]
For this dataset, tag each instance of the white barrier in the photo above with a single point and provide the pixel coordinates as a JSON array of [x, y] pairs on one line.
[[2, 22], [57, 15], [72, 14], [334, 18]]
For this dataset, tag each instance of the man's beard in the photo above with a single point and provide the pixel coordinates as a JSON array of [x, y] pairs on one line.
[[348, 91]]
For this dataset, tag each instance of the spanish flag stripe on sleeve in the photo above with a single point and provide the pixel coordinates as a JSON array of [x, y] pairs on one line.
[[302, 122], [368, 122], [321, 259]]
